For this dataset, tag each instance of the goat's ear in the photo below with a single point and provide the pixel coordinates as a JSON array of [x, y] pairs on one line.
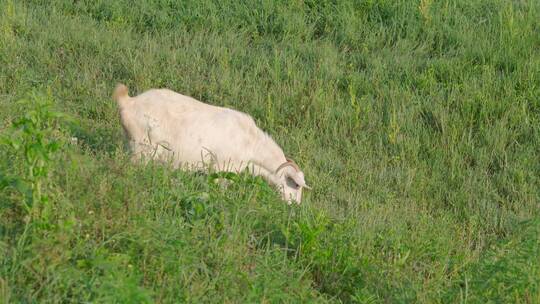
[[298, 178]]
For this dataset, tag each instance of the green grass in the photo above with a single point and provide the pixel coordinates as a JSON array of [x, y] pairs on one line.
[[416, 122]]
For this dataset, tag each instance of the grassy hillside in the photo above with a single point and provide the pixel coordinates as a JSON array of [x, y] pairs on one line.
[[417, 123]]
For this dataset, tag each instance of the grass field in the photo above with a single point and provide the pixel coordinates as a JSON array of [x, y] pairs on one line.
[[417, 124]]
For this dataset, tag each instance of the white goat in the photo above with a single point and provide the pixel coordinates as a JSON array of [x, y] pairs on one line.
[[168, 126]]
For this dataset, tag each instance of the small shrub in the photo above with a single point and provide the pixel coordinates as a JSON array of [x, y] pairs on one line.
[[34, 138]]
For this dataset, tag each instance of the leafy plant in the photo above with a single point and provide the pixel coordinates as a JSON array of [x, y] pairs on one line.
[[35, 138]]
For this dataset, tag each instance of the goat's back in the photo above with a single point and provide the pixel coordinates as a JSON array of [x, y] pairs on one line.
[[174, 124]]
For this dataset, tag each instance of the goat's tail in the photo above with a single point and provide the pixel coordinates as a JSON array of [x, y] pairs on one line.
[[120, 92]]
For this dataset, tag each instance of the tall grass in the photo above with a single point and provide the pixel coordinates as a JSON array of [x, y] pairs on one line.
[[416, 122]]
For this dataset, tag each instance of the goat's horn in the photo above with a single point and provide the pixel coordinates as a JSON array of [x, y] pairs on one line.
[[293, 164], [289, 162]]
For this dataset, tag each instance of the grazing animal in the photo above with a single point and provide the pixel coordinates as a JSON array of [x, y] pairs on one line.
[[168, 126]]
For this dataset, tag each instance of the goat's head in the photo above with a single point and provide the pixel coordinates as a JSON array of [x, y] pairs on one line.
[[291, 181]]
